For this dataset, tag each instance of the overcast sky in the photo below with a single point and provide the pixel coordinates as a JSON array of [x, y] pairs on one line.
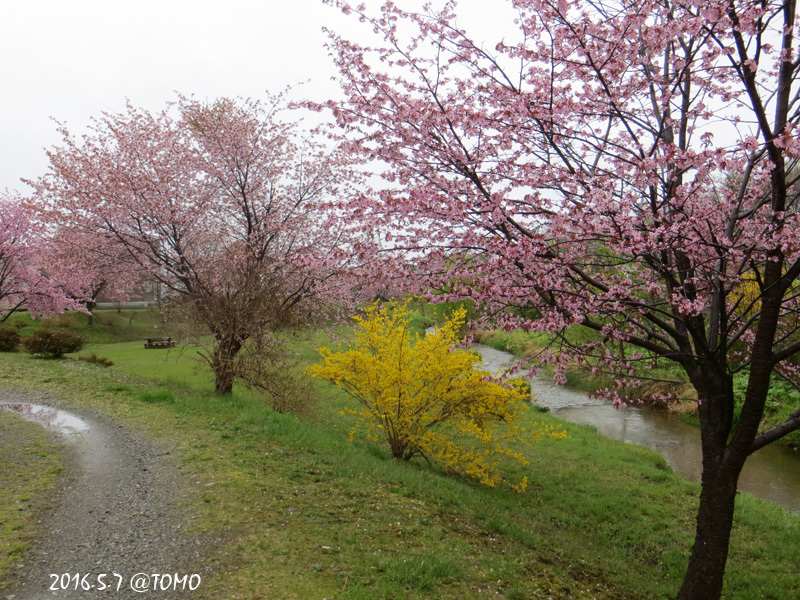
[[73, 59]]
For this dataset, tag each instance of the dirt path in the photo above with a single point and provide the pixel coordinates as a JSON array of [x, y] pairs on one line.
[[117, 512]]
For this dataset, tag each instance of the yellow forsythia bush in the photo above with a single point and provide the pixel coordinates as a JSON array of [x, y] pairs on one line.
[[746, 296], [425, 397]]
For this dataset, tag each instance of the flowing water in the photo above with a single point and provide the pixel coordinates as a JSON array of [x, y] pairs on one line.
[[772, 473]]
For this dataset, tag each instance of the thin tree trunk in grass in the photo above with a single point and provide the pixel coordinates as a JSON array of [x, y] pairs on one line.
[[706, 569], [90, 305]]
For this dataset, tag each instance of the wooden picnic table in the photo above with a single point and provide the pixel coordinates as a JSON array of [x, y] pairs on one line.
[[160, 342]]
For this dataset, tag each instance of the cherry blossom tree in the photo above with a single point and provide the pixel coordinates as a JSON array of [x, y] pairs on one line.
[[22, 282], [624, 166], [224, 203], [90, 264]]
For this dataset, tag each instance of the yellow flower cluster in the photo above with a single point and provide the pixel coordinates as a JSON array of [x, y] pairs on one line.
[[746, 297], [425, 396]]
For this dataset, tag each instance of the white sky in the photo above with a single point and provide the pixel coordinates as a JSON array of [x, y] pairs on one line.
[[74, 59]]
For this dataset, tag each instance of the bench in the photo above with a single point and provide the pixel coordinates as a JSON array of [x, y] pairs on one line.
[[162, 342]]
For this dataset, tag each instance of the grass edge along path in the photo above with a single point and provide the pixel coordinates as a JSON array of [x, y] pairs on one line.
[[305, 514], [30, 461]]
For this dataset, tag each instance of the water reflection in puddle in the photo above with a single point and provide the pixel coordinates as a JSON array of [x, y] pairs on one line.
[[51, 418]]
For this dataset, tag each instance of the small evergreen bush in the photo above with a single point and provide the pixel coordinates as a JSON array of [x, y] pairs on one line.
[[9, 339], [54, 343], [109, 319]]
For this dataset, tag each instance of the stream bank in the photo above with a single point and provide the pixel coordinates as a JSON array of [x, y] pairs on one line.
[[772, 473]]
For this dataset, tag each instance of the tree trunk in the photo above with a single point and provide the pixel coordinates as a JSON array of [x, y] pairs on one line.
[[90, 305], [724, 454], [223, 364], [722, 464], [223, 382], [704, 576]]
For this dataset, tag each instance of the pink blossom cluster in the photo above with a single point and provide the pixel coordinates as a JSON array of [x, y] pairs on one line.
[[24, 284], [625, 166]]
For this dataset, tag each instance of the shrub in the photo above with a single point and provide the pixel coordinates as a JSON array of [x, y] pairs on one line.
[[287, 391], [19, 323], [100, 360], [62, 320], [53, 343], [268, 367], [109, 319], [524, 386], [9, 339], [425, 397], [67, 320]]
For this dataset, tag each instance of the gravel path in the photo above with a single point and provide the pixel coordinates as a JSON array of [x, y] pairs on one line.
[[117, 511]]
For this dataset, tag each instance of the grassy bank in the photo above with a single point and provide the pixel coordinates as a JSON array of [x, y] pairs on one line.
[[108, 326], [305, 514], [29, 463]]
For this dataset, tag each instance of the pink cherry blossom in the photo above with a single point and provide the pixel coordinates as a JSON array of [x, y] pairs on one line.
[[23, 281], [233, 209], [626, 166]]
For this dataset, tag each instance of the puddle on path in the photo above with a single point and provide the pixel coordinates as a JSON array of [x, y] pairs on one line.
[[51, 418]]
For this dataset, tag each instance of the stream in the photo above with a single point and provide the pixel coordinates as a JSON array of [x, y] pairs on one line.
[[772, 473]]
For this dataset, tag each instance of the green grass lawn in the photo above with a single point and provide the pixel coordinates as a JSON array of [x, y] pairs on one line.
[[179, 365], [306, 514]]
